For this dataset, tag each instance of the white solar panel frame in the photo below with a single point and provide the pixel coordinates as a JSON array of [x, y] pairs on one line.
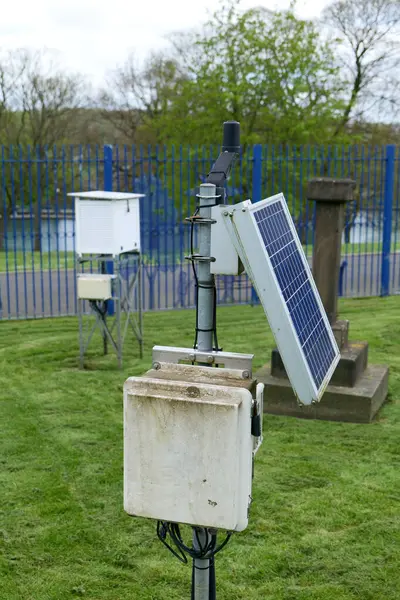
[[245, 236]]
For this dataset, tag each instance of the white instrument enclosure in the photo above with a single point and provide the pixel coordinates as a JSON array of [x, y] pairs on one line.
[[106, 222], [188, 450], [227, 261]]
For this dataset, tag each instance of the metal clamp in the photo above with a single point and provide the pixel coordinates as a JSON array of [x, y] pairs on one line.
[[200, 220], [199, 258]]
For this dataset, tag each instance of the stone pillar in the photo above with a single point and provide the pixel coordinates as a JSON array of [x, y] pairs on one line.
[[330, 196]]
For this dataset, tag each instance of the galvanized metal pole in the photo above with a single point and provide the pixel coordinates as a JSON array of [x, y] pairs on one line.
[[205, 323], [205, 278], [201, 578]]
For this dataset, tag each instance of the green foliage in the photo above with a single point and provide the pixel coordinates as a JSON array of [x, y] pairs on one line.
[[324, 523], [271, 72]]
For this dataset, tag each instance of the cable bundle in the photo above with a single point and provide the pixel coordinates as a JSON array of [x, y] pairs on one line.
[[206, 550]]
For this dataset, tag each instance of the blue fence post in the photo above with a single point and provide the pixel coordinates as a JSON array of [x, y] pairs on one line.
[[387, 218], [257, 173], [108, 187], [341, 276], [256, 193], [108, 168]]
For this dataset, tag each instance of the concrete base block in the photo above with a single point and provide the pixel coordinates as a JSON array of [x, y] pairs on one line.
[[358, 404], [353, 362], [341, 332]]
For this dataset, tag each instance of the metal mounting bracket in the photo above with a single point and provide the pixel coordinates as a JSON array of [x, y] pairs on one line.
[[230, 360]]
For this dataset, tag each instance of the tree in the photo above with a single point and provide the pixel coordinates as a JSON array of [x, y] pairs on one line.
[[369, 56], [37, 99], [270, 71], [135, 98], [38, 104]]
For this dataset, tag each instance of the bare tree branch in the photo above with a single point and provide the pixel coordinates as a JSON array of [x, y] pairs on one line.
[[369, 53], [135, 97], [38, 104]]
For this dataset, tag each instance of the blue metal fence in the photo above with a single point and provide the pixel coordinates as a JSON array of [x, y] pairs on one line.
[[37, 262]]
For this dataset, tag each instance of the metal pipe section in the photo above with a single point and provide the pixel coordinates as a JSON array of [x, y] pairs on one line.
[[205, 277], [205, 325], [201, 589]]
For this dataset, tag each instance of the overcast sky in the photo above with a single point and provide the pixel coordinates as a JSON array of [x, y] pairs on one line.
[[93, 36]]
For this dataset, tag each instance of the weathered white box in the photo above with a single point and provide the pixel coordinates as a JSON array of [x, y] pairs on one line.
[[94, 286], [187, 452], [227, 261], [106, 222]]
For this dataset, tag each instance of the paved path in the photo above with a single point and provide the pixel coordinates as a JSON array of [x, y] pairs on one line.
[[52, 293]]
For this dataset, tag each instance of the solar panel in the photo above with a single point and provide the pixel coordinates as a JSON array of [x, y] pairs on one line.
[[267, 243]]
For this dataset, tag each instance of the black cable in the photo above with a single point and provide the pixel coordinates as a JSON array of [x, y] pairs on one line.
[[215, 320], [96, 307], [162, 531], [206, 550], [212, 594], [195, 277]]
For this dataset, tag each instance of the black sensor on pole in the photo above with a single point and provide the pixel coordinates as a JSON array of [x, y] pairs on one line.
[[231, 137], [221, 169]]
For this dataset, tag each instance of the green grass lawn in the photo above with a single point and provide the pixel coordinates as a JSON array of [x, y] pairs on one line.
[[325, 521]]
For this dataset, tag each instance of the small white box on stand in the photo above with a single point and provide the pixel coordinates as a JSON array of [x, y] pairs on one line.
[[93, 286], [107, 222]]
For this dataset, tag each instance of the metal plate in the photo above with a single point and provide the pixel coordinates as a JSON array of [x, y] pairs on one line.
[[230, 360]]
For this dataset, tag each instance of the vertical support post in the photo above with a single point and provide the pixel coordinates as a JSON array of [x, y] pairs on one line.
[[256, 194], [201, 567], [105, 340], [139, 305], [108, 172], [81, 341], [151, 276], [108, 187], [257, 173], [205, 305], [205, 323], [330, 196], [118, 300], [387, 218]]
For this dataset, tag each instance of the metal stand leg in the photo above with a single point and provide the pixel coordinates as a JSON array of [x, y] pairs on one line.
[[139, 306], [105, 342], [118, 312], [81, 342]]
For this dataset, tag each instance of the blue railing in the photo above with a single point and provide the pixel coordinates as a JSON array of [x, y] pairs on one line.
[[37, 229]]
